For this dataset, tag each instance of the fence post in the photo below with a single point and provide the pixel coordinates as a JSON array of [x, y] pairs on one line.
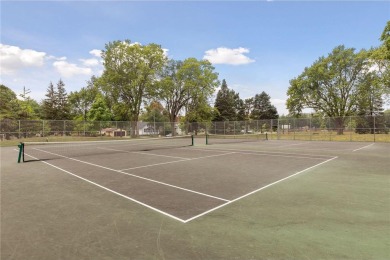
[[350, 128], [294, 127], [19, 128], [374, 128]]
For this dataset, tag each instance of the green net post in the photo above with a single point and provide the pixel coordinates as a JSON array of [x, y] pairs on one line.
[[207, 139], [21, 152], [192, 140]]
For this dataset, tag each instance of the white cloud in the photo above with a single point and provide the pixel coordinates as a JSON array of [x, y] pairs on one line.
[[68, 70], [224, 55], [96, 53], [90, 62], [13, 58]]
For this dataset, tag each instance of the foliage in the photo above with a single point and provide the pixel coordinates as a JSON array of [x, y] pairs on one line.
[[155, 112], [82, 100], [332, 85], [9, 105], [99, 110], [187, 85], [225, 103], [129, 75], [56, 105], [262, 107]]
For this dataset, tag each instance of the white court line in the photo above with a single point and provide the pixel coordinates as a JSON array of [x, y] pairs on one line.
[[363, 147], [267, 153], [167, 214], [136, 176], [262, 188], [107, 189], [168, 156], [197, 158]]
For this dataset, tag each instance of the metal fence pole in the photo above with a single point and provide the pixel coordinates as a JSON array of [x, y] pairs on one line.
[[350, 129], [374, 128]]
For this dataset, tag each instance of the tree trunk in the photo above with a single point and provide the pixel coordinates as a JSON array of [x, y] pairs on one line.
[[339, 124]]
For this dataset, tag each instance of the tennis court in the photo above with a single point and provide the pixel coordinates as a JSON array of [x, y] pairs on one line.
[[172, 180], [173, 177]]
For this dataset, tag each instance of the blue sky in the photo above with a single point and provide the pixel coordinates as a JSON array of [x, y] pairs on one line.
[[254, 45]]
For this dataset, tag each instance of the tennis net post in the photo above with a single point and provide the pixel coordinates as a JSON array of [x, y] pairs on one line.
[[21, 152]]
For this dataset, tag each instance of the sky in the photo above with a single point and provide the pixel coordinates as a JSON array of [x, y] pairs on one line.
[[254, 45]]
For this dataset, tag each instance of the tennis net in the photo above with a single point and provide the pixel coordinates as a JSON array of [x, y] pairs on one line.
[[32, 151], [226, 139]]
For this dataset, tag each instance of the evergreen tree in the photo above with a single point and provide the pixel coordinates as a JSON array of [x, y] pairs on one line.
[[262, 107], [56, 106], [248, 104], [62, 103], [49, 105], [240, 107], [225, 103]]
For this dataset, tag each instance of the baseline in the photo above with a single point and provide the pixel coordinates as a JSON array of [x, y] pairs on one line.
[[364, 147]]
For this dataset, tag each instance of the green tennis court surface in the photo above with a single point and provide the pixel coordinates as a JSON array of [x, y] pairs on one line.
[[166, 199]]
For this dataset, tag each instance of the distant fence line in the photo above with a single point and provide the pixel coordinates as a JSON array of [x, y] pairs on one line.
[[363, 128]]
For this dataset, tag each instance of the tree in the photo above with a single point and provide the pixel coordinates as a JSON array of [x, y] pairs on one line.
[[226, 103], [380, 58], [56, 105], [81, 101], [186, 85], [331, 85], [155, 112], [49, 105], [99, 110], [9, 105], [370, 105], [262, 107], [129, 75], [248, 105], [62, 103]]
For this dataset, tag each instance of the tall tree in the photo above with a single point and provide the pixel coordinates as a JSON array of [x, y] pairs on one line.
[[331, 85], [226, 103], [184, 84], [56, 105], [49, 105], [248, 104], [62, 103], [129, 75], [262, 107]]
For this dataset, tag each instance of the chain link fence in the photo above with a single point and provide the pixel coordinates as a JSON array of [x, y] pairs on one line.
[[365, 128]]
